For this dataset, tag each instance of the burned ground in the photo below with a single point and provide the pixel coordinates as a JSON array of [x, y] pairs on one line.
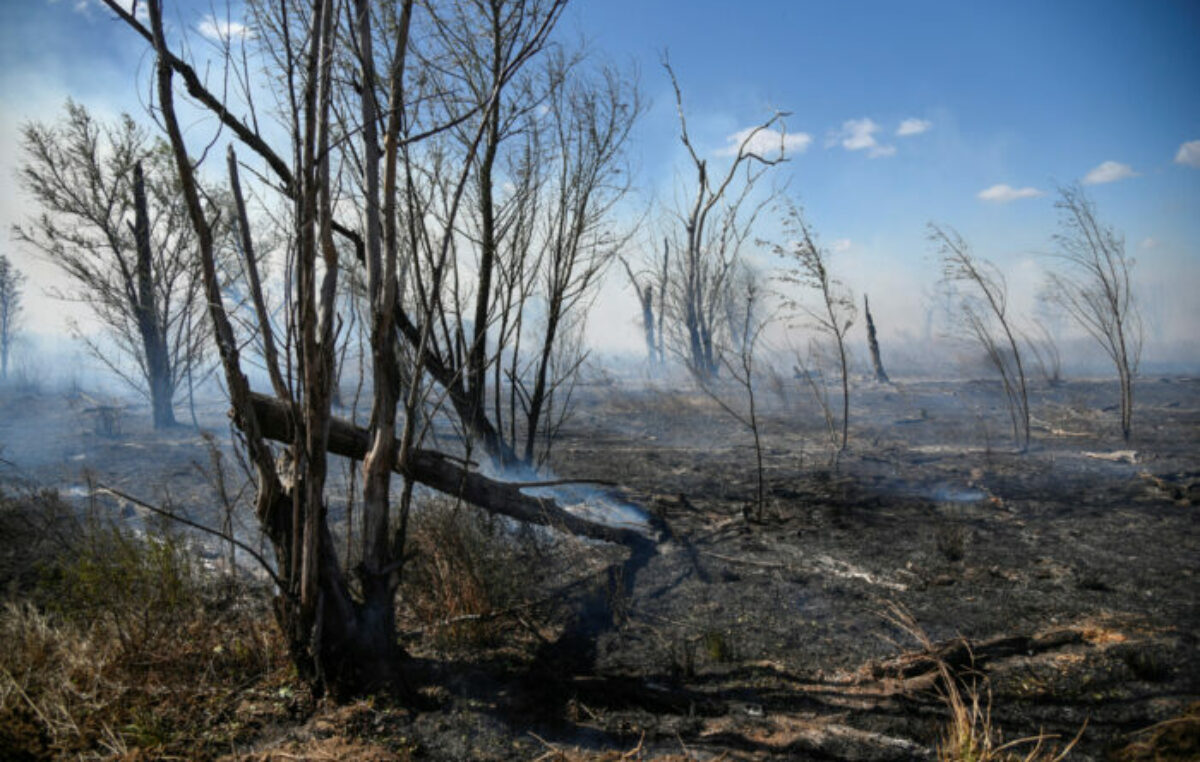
[[1061, 582]]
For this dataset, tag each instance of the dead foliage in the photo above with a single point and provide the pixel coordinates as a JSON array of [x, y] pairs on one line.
[[123, 648], [469, 578], [970, 735]]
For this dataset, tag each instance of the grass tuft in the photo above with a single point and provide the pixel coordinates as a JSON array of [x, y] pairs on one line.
[[969, 734]]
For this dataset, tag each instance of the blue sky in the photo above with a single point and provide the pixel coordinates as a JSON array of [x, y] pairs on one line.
[[1016, 94]]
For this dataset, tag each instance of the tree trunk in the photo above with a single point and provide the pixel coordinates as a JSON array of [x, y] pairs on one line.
[[880, 374], [154, 340], [344, 646], [646, 297], [648, 321]]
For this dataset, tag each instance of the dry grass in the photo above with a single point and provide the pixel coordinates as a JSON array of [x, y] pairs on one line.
[[970, 735], [1173, 740], [469, 577], [124, 647]]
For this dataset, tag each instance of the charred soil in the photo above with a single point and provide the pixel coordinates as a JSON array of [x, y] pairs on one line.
[[1060, 583]]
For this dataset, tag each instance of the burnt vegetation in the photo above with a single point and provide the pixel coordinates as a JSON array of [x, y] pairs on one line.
[[414, 518]]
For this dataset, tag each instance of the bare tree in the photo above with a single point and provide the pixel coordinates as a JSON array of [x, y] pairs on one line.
[[113, 220], [11, 283], [809, 268], [1043, 347], [589, 119], [1096, 289], [647, 285], [982, 308], [379, 171], [714, 226], [873, 344], [739, 362], [645, 294]]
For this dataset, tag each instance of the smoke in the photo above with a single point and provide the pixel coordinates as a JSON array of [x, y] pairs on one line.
[[587, 501]]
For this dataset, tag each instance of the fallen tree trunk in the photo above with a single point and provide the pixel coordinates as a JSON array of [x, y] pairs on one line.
[[440, 472]]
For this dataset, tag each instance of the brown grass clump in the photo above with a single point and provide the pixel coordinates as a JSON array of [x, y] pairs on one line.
[[969, 735], [125, 647], [469, 576]]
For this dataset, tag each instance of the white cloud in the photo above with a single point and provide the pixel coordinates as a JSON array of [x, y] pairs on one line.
[[1148, 243], [859, 135], [766, 142], [1108, 172], [913, 126], [1002, 194], [840, 245], [220, 30], [1189, 154]]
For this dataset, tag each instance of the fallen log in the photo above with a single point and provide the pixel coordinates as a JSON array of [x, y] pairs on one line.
[[446, 475]]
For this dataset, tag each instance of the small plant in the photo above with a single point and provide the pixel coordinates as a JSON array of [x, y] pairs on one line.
[[141, 587], [717, 647], [951, 539]]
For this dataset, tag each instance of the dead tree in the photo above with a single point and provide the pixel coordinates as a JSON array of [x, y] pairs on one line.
[[1096, 289], [645, 293], [113, 221], [739, 363], [809, 268], [655, 283], [11, 283], [985, 301], [410, 205], [873, 343], [512, 261], [1043, 347], [701, 287], [589, 119]]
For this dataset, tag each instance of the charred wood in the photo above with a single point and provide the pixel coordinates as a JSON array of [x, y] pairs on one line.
[[441, 472]]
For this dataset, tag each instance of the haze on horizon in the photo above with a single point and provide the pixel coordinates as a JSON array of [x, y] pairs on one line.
[[899, 115]]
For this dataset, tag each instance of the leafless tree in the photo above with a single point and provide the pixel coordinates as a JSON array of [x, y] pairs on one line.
[[982, 309], [1096, 290], [739, 362], [586, 124], [389, 111], [651, 286], [808, 267], [11, 283], [1043, 347], [645, 294], [713, 226], [113, 220], [873, 344]]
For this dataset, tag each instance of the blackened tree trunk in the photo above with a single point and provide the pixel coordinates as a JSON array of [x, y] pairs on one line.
[[150, 327], [880, 374], [646, 297]]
